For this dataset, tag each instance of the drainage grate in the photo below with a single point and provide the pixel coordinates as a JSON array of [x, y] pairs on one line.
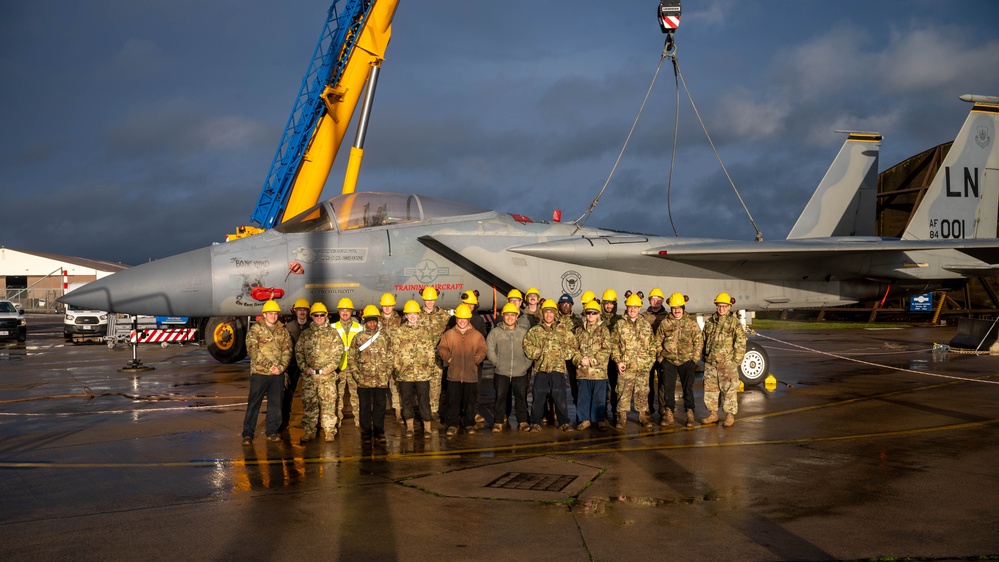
[[535, 481]]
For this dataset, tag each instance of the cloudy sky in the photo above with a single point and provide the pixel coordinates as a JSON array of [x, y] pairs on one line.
[[137, 129]]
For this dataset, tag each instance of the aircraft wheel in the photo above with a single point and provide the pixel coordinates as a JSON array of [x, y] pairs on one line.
[[226, 339], [755, 364]]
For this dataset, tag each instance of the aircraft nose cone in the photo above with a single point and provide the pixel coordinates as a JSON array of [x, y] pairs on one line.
[[180, 285]]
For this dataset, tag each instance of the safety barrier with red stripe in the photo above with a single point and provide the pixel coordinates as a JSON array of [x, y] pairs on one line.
[[165, 335]]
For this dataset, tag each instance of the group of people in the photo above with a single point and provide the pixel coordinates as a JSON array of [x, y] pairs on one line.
[[428, 362]]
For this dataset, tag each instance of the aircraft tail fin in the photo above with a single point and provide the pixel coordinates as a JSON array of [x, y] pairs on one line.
[[845, 202], [962, 201]]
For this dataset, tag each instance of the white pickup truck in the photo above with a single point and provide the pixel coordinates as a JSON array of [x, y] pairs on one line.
[[80, 325]]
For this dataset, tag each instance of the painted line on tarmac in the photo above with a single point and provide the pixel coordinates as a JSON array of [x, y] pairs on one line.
[[133, 411], [511, 450]]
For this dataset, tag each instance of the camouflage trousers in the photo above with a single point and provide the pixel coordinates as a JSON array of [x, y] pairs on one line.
[[435, 390], [722, 378], [319, 396], [344, 382], [394, 389], [631, 385]]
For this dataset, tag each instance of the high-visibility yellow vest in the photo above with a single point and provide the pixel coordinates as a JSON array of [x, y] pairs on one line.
[[347, 336]]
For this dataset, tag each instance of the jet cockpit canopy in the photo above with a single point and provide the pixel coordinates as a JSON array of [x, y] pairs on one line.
[[368, 209]]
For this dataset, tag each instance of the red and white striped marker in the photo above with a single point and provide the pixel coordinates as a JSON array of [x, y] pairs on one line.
[[65, 280], [670, 22], [166, 335]]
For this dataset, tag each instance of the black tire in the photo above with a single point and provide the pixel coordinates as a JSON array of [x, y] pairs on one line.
[[225, 337], [755, 365]]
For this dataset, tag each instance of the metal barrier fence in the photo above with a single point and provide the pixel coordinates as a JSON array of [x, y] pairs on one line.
[[36, 300]]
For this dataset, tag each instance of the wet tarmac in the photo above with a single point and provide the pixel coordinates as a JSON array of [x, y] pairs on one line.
[[870, 446]]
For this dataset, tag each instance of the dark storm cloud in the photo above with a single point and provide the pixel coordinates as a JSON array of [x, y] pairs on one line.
[[163, 117]]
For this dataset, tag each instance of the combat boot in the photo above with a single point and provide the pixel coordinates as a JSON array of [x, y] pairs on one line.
[[667, 418], [644, 421], [409, 428], [712, 418], [330, 434], [426, 430], [622, 418], [690, 418], [729, 421], [307, 437]]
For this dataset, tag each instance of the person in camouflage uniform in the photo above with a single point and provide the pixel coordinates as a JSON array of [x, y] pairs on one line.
[[655, 314], [370, 365], [390, 320], [347, 328], [550, 345], [594, 352], [532, 306], [269, 347], [436, 320], [609, 315], [415, 361], [680, 343], [318, 351], [633, 349], [724, 346]]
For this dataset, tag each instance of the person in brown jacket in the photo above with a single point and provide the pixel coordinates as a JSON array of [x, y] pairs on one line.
[[462, 348]]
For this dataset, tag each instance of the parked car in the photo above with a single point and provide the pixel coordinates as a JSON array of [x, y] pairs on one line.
[[12, 323]]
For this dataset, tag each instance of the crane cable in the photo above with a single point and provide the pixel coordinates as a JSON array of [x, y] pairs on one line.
[[759, 235], [586, 214], [676, 130], [669, 51]]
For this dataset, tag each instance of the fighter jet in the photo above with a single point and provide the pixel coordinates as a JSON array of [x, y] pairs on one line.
[[364, 244]]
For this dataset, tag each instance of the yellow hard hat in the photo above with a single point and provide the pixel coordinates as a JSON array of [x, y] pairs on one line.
[[468, 297], [515, 294], [345, 303], [549, 303], [388, 299], [371, 312], [510, 308], [533, 291], [657, 292], [463, 312], [271, 306], [609, 295], [587, 297], [633, 300], [318, 307], [724, 298], [676, 300], [410, 307], [429, 293], [592, 305], [301, 303]]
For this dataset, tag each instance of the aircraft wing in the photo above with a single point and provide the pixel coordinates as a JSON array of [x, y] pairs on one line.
[[842, 257], [986, 250]]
